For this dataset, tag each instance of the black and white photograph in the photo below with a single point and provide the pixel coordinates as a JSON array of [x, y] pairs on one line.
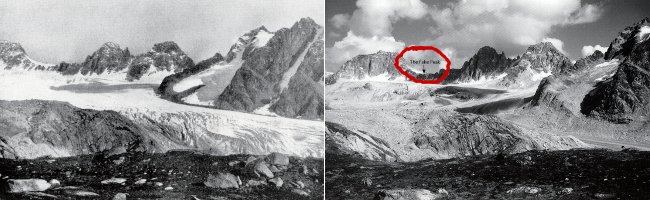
[[324, 99], [541, 100], [161, 99]]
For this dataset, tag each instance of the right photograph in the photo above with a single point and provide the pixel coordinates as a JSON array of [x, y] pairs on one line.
[[504, 99]]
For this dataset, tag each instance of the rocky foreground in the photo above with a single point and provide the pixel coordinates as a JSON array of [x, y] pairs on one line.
[[570, 174], [118, 174]]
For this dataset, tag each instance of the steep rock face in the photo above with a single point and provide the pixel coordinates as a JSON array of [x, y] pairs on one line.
[[35, 128], [258, 81], [166, 87], [166, 57], [340, 140], [539, 61], [484, 64], [12, 55], [304, 95], [108, 58], [625, 96], [623, 44], [364, 66]]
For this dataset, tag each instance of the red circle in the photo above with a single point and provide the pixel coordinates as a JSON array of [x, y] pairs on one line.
[[423, 48]]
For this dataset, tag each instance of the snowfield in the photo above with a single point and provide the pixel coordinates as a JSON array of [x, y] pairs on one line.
[[222, 132]]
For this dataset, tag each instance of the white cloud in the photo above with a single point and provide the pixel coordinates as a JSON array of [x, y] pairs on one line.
[[340, 20], [353, 45], [588, 50], [557, 43], [504, 24], [371, 26]]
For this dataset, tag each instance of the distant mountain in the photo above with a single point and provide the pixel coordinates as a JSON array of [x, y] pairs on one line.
[[110, 58], [625, 96], [486, 63], [539, 61], [13, 56], [380, 64]]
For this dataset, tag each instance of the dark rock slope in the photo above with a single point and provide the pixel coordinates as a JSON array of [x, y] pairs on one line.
[[258, 81], [67, 129], [487, 62], [625, 96], [305, 88]]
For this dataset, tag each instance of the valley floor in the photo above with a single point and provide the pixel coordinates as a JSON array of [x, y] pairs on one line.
[[569, 174], [172, 175]]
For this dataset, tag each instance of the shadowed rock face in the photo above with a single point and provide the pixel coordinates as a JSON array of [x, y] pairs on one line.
[[304, 95], [369, 65], [66, 129], [258, 81], [108, 58], [486, 62], [625, 96], [623, 44]]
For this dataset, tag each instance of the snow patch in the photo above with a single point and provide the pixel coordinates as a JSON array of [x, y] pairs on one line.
[[643, 34], [262, 38], [264, 110]]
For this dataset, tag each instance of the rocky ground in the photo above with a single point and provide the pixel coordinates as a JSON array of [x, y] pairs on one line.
[[172, 175], [570, 174]]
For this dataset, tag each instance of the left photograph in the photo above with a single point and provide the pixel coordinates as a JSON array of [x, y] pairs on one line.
[[161, 99]]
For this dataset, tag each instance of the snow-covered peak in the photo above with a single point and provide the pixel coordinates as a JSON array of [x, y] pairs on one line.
[[258, 37]]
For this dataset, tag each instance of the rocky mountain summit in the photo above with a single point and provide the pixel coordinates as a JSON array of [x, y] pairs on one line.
[[539, 61], [13, 56], [623, 44], [486, 63], [269, 71], [364, 66], [625, 96]]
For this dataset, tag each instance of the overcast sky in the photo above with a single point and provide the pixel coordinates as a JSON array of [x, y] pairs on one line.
[[460, 28], [57, 30]]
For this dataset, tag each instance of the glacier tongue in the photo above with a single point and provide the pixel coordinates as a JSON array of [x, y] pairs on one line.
[[170, 124]]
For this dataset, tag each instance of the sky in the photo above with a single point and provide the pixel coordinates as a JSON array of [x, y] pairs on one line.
[[56, 30], [460, 27]]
